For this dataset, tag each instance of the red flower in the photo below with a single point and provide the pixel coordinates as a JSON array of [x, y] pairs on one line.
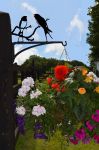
[[60, 72], [56, 86], [49, 81], [73, 140], [63, 89]]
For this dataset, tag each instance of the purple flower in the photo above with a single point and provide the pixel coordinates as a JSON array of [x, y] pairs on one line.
[[96, 138], [89, 126], [38, 126], [80, 134], [40, 136], [73, 140], [20, 123], [86, 140]]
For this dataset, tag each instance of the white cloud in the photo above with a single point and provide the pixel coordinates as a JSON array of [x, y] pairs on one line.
[[76, 22], [56, 49], [30, 8], [20, 59]]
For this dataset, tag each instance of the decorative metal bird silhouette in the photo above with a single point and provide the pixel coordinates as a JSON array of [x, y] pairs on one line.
[[43, 23], [22, 26]]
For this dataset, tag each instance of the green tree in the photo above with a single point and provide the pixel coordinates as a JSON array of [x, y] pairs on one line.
[[93, 35]]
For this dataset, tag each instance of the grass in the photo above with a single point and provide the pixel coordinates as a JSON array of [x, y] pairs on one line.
[[27, 142]]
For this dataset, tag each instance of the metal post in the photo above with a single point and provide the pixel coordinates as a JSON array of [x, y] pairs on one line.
[[7, 136]]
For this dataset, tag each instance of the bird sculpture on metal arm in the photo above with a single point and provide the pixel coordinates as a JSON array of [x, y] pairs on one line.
[[43, 23]]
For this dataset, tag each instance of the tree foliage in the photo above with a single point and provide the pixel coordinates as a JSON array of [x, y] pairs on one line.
[[93, 35], [37, 66]]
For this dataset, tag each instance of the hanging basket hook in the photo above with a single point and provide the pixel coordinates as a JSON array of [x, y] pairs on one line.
[[64, 44]]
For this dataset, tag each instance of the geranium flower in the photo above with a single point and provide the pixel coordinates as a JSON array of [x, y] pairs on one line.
[[60, 72], [82, 90], [80, 134]]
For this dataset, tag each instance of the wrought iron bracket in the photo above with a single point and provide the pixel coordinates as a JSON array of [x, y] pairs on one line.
[[36, 44]]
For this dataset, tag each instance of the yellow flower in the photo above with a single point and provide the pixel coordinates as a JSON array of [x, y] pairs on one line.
[[84, 71], [88, 79], [82, 90], [97, 89]]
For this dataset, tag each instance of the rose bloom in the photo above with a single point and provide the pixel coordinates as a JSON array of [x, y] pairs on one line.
[[60, 72], [97, 89], [82, 90], [49, 81]]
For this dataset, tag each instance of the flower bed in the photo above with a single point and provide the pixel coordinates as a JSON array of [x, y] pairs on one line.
[[67, 101]]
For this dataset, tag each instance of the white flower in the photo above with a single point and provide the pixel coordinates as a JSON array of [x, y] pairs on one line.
[[38, 110], [69, 80], [91, 74], [71, 74], [96, 80], [28, 82], [32, 95], [35, 94], [26, 88], [22, 92], [38, 92], [69, 122], [20, 110]]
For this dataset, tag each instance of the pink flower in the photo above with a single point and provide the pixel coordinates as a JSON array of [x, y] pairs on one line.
[[95, 117], [80, 134], [96, 138], [97, 112], [89, 126], [73, 140]]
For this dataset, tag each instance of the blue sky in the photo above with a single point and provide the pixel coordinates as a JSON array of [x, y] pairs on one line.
[[68, 21]]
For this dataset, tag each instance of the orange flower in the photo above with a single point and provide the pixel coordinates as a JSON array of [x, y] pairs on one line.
[[82, 90], [84, 71], [97, 89], [60, 72]]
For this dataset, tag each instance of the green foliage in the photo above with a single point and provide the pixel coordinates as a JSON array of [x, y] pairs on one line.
[[57, 142], [93, 36]]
